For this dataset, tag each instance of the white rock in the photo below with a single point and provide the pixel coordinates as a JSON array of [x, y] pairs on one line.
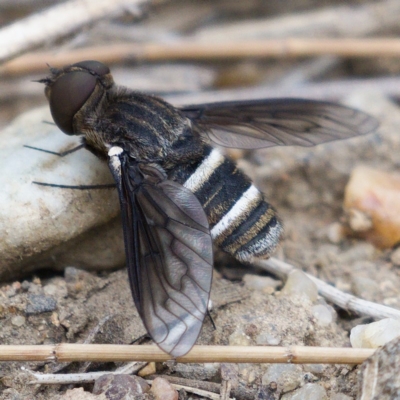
[[268, 339], [35, 219], [376, 334], [260, 282], [323, 314], [287, 376], [299, 283], [310, 391], [163, 390], [239, 338], [18, 320]]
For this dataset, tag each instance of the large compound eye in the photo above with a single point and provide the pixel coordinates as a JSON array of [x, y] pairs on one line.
[[68, 94], [93, 66]]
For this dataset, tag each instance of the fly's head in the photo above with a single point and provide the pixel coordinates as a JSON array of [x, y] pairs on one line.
[[74, 92]]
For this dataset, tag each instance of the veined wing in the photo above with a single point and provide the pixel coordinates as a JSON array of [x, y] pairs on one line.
[[169, 254], [277, 122]]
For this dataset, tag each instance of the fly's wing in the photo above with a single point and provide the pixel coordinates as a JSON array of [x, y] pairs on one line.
[[277, 122], [169, 257]]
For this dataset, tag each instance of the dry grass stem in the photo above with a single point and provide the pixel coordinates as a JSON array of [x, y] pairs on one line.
[[186, 50], [336, 296], [86, 377], [201, 354], [57, 22]]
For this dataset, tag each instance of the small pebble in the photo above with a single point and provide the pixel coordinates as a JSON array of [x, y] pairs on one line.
[[299, 283], [37, 281], [310, 391], [50, 290], [376, 334], [287, 376], [316, 369], [323, 314], [309, 377], [161, 389], [358, 220], [17, 286], [251, 330], [18, 320], [251, 378], [239, 338], [148, 369], [54, 319], [335, 233], [120, 386], [263, 283], [38, 304], [372, 205], [268, 339]]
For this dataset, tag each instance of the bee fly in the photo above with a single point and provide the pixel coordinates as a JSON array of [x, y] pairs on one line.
[[178, 193]]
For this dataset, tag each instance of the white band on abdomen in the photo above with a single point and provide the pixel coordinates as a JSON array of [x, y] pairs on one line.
[[240, 207], [204, 171]]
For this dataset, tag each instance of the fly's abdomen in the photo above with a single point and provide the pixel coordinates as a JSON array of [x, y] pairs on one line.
[[242, 223]]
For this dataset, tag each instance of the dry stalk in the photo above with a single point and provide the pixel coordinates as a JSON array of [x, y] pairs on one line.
[[186, 50], [83, 377], [66, 352]]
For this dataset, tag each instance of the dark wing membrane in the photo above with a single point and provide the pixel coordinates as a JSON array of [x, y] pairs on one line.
[[169, 257], [277, 122]]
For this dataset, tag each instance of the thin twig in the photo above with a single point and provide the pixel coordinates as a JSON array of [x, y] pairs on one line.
[[58, 22], [336, 296], [226, 389], [66, 352], [196, 50], [83, 377]]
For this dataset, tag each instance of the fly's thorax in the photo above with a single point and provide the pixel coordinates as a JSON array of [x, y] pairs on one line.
[[146, 127]]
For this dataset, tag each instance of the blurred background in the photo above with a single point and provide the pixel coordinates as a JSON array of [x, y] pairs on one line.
[[184, 47]]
